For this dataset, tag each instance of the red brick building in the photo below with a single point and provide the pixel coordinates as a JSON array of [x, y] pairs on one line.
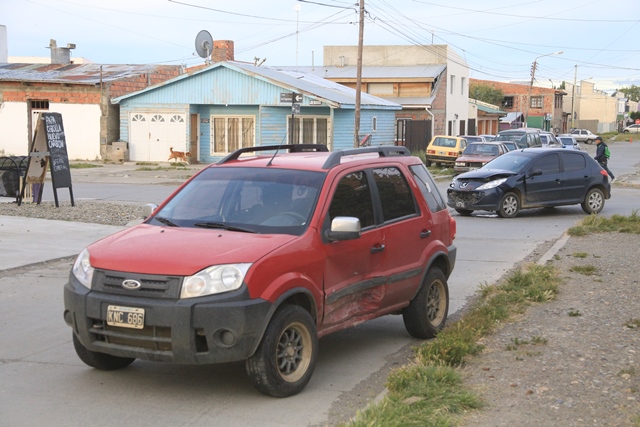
[[542, 106]]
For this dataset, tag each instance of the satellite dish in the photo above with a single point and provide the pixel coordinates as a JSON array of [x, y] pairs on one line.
[[204, 44]]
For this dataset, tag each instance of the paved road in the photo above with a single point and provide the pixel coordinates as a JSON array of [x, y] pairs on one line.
[[43, 382]]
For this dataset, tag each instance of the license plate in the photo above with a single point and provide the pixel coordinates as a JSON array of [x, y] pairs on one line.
[[125, 317], [460, 204], [441, 152]]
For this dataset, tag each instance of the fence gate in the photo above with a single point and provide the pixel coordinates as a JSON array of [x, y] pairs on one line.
[[417, 134]]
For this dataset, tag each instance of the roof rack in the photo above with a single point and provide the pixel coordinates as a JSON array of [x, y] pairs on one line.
[[292, 148], [381, 150]]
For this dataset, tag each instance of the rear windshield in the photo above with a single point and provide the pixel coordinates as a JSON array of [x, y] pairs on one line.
[[481, 150], [510, 137], [444, 142]]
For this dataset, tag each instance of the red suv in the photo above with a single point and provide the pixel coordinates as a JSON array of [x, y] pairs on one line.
[[259, 255]]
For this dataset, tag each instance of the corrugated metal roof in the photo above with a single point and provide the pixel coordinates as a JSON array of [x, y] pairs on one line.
[[370, 72], [309, 85], [411, 101], [86, 74], [489, 109]]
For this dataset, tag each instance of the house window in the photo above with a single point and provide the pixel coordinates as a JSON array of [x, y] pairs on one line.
[[374, 124], [507, 102], [39, 104], [558, 103], [229, 133], [452, 84], [536, 102], [463, 82], [309, 130]]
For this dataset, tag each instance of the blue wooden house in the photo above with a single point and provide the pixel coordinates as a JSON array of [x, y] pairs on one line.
[[214, 110]]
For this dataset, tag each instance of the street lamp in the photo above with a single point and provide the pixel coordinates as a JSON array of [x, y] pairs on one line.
[[533, 75]]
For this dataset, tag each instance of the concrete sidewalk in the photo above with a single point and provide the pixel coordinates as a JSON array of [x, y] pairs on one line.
[[25, 241]]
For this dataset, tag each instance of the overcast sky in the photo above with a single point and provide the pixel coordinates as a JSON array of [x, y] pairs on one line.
[[499, 39]]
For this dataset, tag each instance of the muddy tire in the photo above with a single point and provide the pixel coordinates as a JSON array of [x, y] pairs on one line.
[[427, 313], [509, 205], [286, 357], [102, 361], [593, 201]]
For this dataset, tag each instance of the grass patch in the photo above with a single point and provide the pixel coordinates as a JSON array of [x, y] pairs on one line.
[[83, 165], [587, 270], [177, 166], [574, 313], [430, 392], [599, 224], [146, 164], [580, 254], [632, 323]]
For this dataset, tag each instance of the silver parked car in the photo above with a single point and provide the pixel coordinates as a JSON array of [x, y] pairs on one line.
[[584, 135], [568, 141]]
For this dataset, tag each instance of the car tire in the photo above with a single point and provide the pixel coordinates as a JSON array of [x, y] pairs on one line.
[[594, 201], [102, 361], [286, 357], [426, 314], [625, 131], [588, 141], [464, 212], [427, 163], [509, 205]]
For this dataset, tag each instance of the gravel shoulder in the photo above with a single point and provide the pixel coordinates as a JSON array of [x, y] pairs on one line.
[[573, 361]]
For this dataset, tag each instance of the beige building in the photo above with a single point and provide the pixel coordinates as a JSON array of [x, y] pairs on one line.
[[592, 109]]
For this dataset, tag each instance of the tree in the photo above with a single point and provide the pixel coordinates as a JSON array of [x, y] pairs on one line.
[[486, 93], [562, 86], [633, 92]]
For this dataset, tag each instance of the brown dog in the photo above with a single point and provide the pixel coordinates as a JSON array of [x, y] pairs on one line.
[[179, 155]]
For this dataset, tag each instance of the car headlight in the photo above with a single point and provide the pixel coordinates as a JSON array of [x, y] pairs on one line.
[[214, 280], [460, 163], [82, 269], [454, 181], [492, 184]]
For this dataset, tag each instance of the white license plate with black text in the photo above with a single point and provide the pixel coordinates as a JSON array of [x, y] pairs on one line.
[[125, 317]]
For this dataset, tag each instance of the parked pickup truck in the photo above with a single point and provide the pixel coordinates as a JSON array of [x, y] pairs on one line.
[[583, 135]]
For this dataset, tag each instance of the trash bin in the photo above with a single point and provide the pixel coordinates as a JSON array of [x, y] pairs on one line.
[[12, 169]]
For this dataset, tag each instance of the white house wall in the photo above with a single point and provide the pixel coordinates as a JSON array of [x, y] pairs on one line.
[[14, 125], [81, 128], [458, 98]]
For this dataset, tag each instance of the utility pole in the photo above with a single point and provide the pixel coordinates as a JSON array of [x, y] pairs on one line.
[[356, 136], [573, 98], [528, 101]]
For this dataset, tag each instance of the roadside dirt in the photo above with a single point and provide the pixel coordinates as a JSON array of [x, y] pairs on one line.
[[574, 361]]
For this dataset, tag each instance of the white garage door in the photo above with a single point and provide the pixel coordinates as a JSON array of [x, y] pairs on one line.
[[153, 134]]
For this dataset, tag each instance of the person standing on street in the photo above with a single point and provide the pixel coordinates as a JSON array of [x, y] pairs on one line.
[[602, 156]]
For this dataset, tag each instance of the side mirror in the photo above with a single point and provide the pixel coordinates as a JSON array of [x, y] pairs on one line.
[[535, 172], [148, 209], [344, 228]]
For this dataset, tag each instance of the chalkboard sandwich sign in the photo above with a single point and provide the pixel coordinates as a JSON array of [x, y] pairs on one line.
[[49, 147]]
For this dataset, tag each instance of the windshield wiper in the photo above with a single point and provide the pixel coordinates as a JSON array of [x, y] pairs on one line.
[[165, 221], [222, 226]]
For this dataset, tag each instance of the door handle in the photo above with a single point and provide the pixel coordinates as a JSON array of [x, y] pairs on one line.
[[425, 233], [377, 248]]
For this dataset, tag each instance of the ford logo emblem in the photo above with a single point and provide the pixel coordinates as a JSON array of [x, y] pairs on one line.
[[131, 284]]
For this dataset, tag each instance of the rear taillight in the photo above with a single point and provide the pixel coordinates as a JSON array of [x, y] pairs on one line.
[[603, 172]]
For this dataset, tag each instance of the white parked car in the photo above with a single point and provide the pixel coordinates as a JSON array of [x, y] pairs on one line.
[[584, 135], [632, 129]]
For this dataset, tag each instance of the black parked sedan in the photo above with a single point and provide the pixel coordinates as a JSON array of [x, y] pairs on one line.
[[531, 178]]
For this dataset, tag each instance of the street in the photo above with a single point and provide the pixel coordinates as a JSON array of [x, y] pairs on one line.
[[42, 381]]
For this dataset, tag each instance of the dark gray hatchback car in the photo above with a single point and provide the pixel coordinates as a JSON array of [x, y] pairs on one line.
[[531, 178]]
